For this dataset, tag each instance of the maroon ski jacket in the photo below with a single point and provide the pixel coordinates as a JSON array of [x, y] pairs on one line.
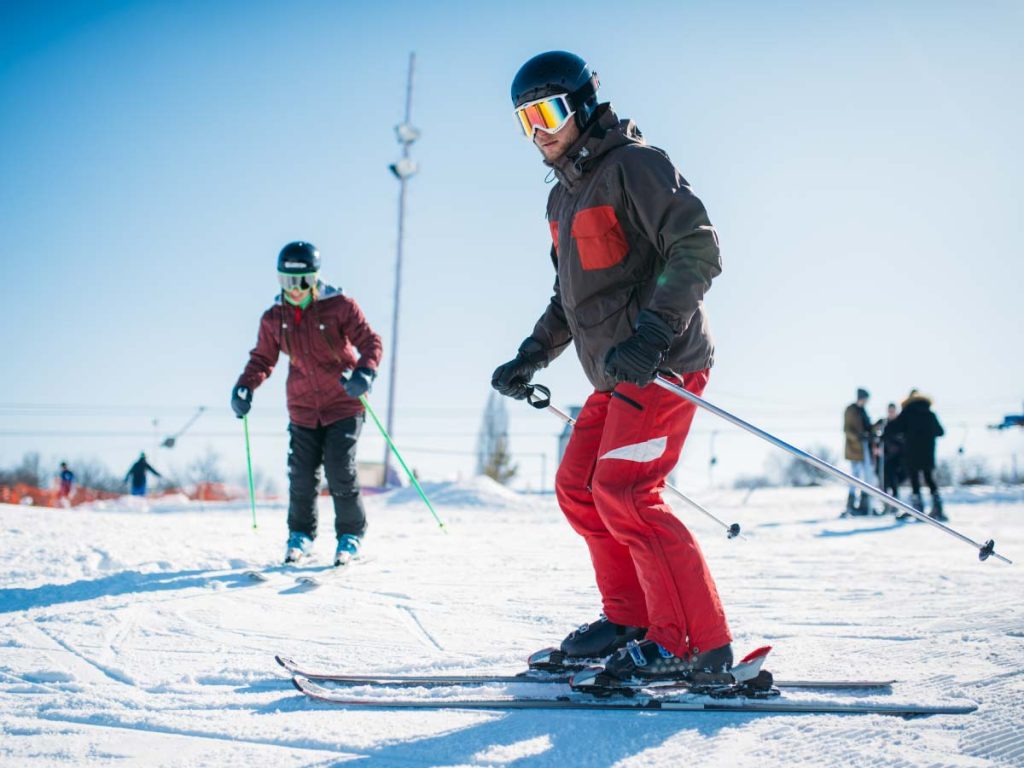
[[323, 341]]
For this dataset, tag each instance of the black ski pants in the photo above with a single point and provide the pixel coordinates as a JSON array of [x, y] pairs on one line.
[[334, 447], [915, 480], [892, 475]]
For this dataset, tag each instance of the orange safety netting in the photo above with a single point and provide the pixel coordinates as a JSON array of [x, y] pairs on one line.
[[21, 493]]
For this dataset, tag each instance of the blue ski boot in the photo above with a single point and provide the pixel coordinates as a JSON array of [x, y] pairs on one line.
[[299, 547], [348, 548]]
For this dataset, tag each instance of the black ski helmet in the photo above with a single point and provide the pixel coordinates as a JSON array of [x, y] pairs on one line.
[[547, 74], [298, 258]]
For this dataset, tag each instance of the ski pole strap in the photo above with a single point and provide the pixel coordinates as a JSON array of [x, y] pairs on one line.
[[248, 462], [408, 472], [539, 397]]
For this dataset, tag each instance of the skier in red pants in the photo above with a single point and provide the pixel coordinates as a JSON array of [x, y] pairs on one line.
[[634, 253]]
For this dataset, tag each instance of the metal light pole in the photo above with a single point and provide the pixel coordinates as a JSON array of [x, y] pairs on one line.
[[403, 170], [713, 461]]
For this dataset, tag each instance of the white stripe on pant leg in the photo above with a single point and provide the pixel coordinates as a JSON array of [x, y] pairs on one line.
[[639, 452]]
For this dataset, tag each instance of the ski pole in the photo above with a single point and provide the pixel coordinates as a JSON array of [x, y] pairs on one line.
[[984, 550], [543, 402], [412, 477], [248, 462]]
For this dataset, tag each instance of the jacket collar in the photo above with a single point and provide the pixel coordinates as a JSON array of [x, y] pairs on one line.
[[604, 134], [323, 291]]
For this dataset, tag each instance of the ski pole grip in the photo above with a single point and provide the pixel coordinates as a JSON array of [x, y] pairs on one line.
[[538, 401]]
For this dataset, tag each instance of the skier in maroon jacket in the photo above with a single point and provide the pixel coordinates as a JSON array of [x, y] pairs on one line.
[[325, 336], [634, 253]]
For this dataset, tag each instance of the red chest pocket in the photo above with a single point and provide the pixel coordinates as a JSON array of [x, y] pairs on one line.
[[599, 237], [553, 225]]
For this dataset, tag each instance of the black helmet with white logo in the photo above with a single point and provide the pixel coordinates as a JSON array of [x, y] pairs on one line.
[[298, 258]]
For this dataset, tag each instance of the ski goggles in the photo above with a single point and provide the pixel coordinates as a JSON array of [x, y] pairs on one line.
[[549, 114], [292, 282]]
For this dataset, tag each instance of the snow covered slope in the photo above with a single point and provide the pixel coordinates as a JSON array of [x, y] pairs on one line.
[[131, 637]]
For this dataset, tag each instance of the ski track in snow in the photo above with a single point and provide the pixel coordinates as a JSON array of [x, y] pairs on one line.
[[133, 637]]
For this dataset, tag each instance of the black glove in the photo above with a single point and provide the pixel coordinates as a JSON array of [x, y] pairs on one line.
[[241, 400], [636, 360], [359, 383], [511, 379]]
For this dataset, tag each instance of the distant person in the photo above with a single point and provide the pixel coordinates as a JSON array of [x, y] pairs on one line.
[[325, 336], [920, 427], [137, 475], [893, 442], [66, 479], [859, 446]]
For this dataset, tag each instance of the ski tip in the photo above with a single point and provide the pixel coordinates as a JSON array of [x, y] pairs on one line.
[[758, 653], [284, 661], [543, 656], [298, 683]]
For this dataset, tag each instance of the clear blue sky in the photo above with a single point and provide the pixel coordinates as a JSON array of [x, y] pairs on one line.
[[861, 162]]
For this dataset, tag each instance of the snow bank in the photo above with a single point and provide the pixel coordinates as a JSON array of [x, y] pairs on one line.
[[480, 491]]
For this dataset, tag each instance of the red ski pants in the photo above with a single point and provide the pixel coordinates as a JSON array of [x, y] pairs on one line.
[[650, 570]]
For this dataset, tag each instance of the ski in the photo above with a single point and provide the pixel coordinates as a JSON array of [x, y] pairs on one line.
[[531, 676], [318, 577], [641, 702], [306, 573]]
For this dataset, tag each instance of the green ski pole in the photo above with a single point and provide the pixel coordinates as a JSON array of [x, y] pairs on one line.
[[248, 461], [412, 477]]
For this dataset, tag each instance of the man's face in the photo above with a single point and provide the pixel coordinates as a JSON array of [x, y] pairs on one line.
[[892, 411], [554, 145]]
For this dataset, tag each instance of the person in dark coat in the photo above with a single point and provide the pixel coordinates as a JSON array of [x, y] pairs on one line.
[[892, 455], [67, 481], [920, 427], [137, 475]]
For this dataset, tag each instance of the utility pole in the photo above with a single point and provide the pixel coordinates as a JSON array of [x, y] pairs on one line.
[[403, 170], [713, 460]]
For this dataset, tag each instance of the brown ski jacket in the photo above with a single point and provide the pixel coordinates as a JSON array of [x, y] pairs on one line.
[[857, 430], [628, 234]]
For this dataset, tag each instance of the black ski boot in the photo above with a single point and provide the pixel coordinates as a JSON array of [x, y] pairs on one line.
[[864, 506], [647, 661], [645, 664], [891, 509], [937, 513], [588, 644], [851, 505]]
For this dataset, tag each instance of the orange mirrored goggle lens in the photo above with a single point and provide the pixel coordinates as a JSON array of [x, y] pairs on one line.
[[548, 115]]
